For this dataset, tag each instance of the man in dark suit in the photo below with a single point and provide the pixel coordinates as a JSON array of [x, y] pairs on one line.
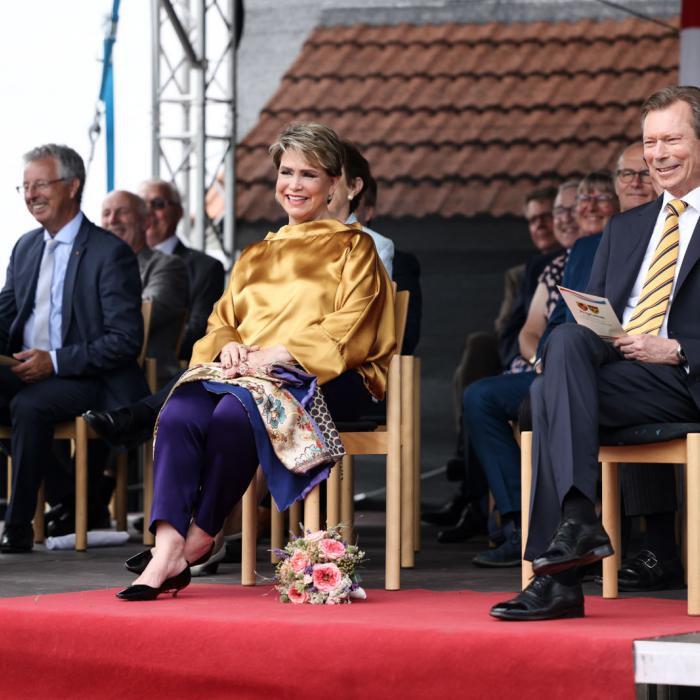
[[164, 278], [70, 313], [646, 266], [206, 273]]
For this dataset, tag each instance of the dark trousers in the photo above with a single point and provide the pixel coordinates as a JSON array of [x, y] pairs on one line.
[[205, 454], [587, 384], [489, 405], [33, 410]]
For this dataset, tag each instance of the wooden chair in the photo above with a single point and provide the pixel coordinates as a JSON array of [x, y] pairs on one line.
[[398, 440], [79, 432], [664, 443]]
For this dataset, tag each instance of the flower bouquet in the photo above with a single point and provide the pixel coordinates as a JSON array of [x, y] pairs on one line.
[[318, 568]]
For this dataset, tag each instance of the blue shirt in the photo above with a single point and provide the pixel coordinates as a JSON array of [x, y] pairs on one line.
[[64, 239]]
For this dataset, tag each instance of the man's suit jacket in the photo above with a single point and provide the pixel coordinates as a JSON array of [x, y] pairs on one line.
[[616, 267], [166, 283], [206, 287], [102, 327]]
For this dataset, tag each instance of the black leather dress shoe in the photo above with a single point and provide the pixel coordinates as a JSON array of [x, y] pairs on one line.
[[16, 539], [469, 524], [119, 428], [647, 573], [574, 544], [448, 515], [544, 599]]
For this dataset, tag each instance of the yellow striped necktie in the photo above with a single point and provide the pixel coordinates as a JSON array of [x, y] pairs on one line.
[[648, 316]]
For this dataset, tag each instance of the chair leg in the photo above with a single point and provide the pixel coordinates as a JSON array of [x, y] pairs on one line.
[[120, 491], [249, 535], [525, 494], [9, 478], [81, 485], [39, 522], [611, 523], [416, 454], [693, 514], [393, 479], [276, 531], [347, 498], [312, 509], [295, 518], [333, 497], [148, 538], [407, 464]]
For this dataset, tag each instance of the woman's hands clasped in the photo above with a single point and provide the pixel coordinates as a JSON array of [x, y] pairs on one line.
[[239, 360]]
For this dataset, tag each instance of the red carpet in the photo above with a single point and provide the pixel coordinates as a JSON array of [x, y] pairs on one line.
[[232, 642]]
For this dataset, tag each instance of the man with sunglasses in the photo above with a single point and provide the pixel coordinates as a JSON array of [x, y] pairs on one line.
[[70, 314], [206, 273]]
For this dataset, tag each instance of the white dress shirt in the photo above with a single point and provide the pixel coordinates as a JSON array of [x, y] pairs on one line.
[[168, 245], [686, 225], [65, 239]]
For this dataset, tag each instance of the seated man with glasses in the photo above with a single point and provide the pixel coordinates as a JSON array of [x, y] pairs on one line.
[[206, 273], [70, 313]]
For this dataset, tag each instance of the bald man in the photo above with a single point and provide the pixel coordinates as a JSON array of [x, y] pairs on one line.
[[164, 278]]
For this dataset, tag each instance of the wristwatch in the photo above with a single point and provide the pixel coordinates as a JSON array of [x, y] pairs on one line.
[[682, 359]]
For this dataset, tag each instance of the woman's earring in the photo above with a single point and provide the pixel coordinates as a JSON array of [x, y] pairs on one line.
[[329, 198]]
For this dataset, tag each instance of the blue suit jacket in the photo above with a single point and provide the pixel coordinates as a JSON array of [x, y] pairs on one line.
[[576, 275], [102, 326], [617, 264]]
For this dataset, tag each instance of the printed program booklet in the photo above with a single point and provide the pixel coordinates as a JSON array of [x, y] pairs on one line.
[[594, 313]]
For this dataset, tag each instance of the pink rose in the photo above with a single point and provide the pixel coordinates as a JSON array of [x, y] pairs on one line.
[[299, 561], [296, 597], [331, 549], [315, 536], [327, 577]]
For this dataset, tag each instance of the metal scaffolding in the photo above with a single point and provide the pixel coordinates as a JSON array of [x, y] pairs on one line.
[[194, 110]]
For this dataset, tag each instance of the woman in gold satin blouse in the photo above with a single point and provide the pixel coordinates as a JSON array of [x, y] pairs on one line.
[[313, 294]]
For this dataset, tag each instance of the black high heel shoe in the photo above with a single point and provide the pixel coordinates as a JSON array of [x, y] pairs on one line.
[[142, 592], [140, 561]]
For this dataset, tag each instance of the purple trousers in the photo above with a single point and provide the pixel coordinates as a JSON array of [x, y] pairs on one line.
[[204, 459]]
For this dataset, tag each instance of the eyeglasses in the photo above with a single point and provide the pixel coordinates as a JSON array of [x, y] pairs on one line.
[[40, 185], [159, 203], [590, 198], [562, 212], [540, 218], [626, 175]]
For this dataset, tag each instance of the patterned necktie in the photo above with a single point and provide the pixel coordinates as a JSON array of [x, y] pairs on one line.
[[42, 301], [648, 316]]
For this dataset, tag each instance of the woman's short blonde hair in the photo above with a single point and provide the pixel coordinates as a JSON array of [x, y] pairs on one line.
[[318, 143]]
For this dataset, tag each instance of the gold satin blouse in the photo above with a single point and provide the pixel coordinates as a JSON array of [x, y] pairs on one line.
[[318, 288]]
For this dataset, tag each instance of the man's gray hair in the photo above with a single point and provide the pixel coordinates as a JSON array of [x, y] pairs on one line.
[[70, 164], [568, 185], [173, 193]]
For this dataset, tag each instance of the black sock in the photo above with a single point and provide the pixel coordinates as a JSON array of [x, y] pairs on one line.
[[578, 507], [661, 535]]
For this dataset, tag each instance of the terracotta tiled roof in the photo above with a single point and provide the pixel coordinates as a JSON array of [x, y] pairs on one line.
[[462, 119]]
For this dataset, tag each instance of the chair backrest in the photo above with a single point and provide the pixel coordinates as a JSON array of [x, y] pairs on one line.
[[400, 316], [146, 312], [182, 333]]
